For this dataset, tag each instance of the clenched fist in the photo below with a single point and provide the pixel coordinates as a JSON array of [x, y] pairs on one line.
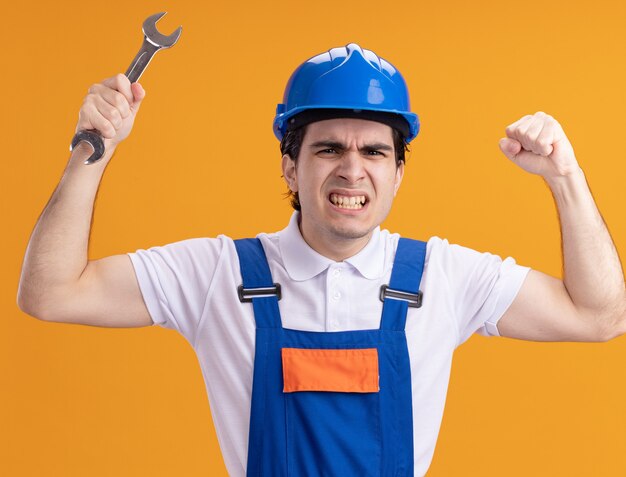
[[111, 107], [538, 145]]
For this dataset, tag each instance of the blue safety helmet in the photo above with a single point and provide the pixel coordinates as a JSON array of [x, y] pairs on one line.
[[352, 82]]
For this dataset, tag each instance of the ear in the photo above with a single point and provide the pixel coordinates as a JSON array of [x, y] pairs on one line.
[[399, 175], [289, 173]]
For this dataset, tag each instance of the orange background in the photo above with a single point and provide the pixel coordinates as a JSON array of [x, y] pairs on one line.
[[202, 160]]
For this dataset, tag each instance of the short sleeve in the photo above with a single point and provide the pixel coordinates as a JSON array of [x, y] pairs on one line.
[[482, 287], [175, 279]]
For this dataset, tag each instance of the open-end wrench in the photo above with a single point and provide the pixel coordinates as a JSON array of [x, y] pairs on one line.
[[153, 41]]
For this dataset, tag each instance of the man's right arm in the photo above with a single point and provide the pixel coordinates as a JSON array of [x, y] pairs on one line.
[[58, 282]]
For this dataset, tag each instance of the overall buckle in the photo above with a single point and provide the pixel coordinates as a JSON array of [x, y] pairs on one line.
[[247, 294], [414, 299]]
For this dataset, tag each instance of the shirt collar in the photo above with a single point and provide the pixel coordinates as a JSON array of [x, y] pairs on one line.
[[303, 263]]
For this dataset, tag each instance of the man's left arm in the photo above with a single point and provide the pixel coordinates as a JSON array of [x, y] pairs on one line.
[[589, 304]]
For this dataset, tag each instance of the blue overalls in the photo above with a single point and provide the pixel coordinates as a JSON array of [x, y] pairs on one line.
[[314, 428]]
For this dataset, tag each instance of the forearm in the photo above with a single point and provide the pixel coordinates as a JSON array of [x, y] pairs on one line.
[[592, 272], [56, 254]]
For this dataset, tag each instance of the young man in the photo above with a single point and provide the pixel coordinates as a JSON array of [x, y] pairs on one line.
[[343, 368]]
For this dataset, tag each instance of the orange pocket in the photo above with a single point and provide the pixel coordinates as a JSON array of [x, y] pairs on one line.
[[339, 370]]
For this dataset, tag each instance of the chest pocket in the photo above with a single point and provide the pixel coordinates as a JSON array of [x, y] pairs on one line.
[[332, 411], [341, 370]]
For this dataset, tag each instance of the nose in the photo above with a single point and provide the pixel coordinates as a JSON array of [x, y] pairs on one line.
[[351, 167]]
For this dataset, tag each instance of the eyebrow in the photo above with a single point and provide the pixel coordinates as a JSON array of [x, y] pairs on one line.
[[375, 146]]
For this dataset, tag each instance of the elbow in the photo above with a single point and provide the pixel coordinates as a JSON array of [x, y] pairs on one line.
[[27, 305], [26, 308], [620, 328], [614, 324], [611, 334]]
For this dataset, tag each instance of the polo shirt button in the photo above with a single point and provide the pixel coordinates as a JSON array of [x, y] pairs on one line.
[[336, 272], [337, 295]]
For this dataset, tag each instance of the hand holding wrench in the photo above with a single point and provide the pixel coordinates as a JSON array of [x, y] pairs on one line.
[[153, 41]]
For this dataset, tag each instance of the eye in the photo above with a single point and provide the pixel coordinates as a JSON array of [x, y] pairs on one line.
[[327, 151]]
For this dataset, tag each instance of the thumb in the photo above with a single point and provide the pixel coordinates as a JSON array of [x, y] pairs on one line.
[[510, 147], [138, 94]]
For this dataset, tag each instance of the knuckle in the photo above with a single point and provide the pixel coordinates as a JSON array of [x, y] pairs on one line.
[[122, 82], [543, 144], [90, 100], [108, 131], [117, 98], [120, 100], [114, 115], [87, 109]]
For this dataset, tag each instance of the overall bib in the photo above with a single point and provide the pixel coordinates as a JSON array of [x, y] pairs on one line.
[[332, 404]]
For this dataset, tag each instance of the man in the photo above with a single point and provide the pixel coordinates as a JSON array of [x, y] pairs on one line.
[[341, 370]]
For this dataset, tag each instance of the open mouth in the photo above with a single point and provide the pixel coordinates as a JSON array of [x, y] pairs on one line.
[[348, 202]]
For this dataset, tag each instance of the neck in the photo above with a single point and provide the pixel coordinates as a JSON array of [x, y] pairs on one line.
[[336, 247]]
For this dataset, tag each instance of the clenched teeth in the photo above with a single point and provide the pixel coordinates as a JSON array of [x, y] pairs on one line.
[[348, 202]]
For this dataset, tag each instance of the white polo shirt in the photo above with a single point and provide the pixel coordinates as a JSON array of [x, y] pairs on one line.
[[191, 286]]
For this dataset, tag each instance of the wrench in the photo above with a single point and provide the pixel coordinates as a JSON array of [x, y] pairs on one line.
[[153, 41]]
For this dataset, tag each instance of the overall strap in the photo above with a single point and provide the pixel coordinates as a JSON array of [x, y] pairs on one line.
[[403, 290], [258, 286]]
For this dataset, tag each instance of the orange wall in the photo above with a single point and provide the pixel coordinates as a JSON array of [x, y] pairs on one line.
[[202, 160]]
